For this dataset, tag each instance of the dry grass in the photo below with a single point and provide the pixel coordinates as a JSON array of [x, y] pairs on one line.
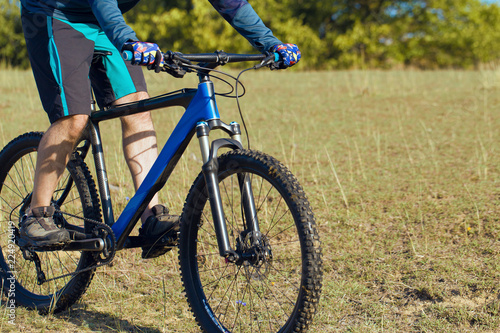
[[402, 169]]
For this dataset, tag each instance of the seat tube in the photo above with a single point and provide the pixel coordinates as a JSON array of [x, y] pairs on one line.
[[210, 169], [102, 176]]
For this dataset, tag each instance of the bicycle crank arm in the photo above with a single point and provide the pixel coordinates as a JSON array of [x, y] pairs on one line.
[[91, 244]]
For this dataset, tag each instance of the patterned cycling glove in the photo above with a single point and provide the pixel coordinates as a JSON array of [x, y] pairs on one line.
[[144, 53], [289, 54]]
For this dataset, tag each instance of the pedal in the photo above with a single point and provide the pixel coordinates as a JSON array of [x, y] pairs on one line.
[[141, 241], [168, 241]]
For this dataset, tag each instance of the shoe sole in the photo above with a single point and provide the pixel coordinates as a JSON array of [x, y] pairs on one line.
[[40, 244]]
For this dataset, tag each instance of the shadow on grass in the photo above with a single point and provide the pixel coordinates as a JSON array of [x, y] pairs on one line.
[[101, 322]]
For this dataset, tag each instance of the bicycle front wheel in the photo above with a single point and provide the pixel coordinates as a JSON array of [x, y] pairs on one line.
[[76, 194], [278, 292]]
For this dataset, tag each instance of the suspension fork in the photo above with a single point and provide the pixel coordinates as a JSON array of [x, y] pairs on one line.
[[210, 172]]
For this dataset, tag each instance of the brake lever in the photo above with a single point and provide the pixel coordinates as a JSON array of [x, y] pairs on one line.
[[173, 62], [272, 60], [276, 65], [177, 57], [175, 70]]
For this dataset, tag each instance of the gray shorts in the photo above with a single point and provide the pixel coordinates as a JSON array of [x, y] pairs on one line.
[[61, 56]]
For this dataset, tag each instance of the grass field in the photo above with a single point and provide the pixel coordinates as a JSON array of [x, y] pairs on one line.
[[402, 169]]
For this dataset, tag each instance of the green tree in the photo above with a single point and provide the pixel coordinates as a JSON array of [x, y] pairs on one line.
[[368, 33], [456, 33], [12, 43], [330, 33], [424, 33]]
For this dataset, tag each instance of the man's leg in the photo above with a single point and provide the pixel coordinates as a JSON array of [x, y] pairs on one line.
[[60, 57], [139, 145], [37, 228], [54, 152], [139, 138], [141, 150]]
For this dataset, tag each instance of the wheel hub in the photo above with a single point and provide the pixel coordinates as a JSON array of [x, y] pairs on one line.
[[255, 254]]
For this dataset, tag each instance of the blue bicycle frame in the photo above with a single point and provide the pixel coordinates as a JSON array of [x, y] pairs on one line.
[[201, 115]]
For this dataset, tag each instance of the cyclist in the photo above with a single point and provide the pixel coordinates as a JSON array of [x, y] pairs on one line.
[[61, 36]]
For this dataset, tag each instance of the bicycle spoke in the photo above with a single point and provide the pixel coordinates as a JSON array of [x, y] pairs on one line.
[[222, 297], [21, 175]]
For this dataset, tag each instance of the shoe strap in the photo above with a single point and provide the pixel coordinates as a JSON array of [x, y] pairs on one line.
[[44, 211], [45, 222]]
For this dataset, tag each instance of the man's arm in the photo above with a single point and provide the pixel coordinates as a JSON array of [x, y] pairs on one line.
[[111, 21], [110, 18], [241, 15]]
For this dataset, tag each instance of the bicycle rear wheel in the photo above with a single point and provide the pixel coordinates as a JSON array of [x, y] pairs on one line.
[[280, 291], [75, 194]]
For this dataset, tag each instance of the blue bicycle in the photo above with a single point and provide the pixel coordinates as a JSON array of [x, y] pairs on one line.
[[249, 250]]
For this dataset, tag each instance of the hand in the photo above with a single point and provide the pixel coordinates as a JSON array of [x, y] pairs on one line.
[[289, 54], [145, 54]]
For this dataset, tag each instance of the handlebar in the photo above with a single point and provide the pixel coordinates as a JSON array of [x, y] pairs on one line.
[[216, 58], [222, 57]]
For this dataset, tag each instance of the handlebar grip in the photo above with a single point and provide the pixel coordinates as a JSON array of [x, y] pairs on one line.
[[127, 55]]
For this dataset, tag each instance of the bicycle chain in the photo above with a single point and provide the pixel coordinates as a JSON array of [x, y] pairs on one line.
[[103, 263]]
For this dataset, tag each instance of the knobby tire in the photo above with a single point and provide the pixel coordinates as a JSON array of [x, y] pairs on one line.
[[279, 294]]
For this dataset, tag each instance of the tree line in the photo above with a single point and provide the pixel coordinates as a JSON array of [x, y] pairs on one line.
[[332, 34]]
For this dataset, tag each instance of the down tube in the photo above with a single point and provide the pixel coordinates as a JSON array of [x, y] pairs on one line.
[[202, 107]]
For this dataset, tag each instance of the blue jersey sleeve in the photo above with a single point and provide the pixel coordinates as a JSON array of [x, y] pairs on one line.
[[108, 13], [110, 18], [241, 15]]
